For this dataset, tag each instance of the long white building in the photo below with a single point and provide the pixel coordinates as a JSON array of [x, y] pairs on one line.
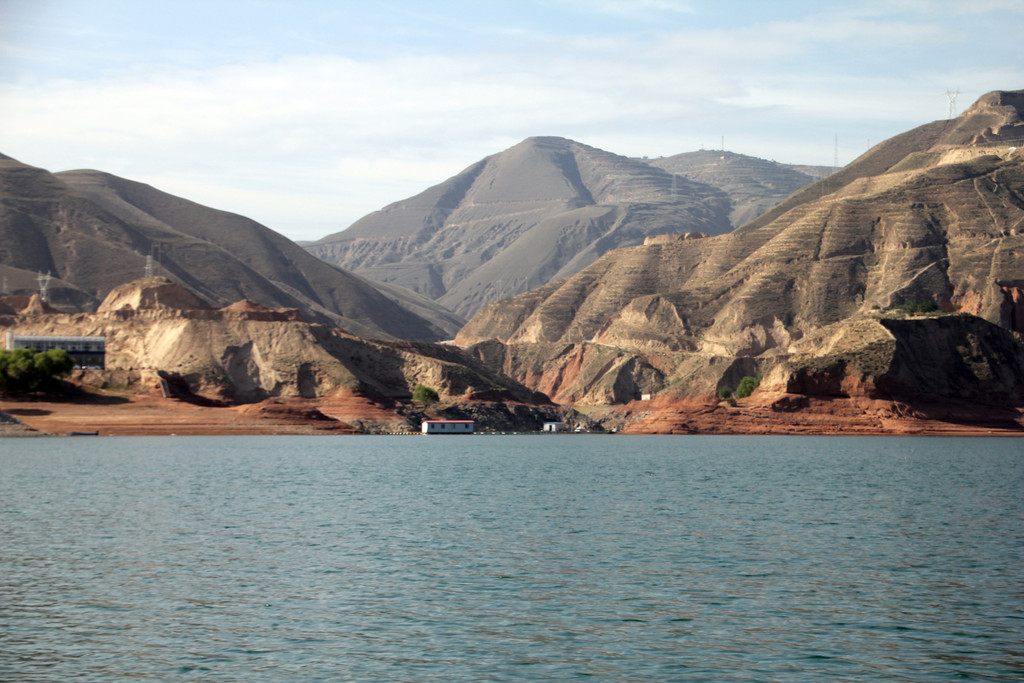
[[86, 351]]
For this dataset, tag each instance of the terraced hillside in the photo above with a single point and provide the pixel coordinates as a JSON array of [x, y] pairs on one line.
[[753, 185], [935, 214]]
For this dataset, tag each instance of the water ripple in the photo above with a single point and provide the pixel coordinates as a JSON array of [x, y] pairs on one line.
[[519, 558]]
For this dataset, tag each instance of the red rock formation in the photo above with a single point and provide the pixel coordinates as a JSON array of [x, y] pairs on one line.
[[777, 413]]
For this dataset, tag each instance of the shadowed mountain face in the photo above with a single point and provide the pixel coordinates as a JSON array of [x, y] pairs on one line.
[[935, 214], [93, 231], [537, 212]]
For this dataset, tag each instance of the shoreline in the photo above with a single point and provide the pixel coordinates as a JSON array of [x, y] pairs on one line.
[[153, 416], [148, 415]]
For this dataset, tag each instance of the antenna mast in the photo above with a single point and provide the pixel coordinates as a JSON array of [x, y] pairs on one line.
[[951, 94]]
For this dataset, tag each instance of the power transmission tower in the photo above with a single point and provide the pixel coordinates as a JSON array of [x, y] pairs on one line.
[[44, 285], [152, 259], [951, 94]]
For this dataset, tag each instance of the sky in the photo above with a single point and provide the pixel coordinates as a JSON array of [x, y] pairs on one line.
[[307, 115]]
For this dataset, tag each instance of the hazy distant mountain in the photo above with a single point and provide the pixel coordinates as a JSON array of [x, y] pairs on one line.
[[753, 185], [539, 211], [93, 231], [804, 294]]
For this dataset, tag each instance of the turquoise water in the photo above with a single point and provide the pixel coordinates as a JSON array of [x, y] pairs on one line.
[[414, 558]]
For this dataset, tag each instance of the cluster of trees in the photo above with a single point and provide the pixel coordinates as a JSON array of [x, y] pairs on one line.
[[26, 370], [743, 389]]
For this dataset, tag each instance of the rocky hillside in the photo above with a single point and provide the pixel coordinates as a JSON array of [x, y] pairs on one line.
[[93, 231], [245, 353], [811, 291], [537, 212]]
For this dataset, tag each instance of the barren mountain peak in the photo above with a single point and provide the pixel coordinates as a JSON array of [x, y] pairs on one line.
[[538, 211]]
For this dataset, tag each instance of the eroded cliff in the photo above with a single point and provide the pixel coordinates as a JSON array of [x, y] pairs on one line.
[[159, 333]]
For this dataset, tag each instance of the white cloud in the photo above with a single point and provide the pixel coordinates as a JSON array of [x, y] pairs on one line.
[[939, 8], [322, 139], [634, 7]]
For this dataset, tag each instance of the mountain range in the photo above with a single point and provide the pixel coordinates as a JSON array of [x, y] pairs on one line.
[[815, 290], [92, 231], [633, 282], [537, 212], [545, 209]]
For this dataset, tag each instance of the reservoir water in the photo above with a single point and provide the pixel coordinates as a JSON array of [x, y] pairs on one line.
[[499, 558]]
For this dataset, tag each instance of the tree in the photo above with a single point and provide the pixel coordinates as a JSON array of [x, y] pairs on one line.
[[425, 395], [747, 385], [26, 370]]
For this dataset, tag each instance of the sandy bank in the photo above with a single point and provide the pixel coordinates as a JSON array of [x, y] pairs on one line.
[[147, 415], [157, 416]]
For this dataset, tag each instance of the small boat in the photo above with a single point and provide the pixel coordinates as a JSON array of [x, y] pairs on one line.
[[83, 433]]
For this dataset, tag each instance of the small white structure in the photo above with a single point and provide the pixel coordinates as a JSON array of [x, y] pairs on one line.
[[555, 427], [448, 426]]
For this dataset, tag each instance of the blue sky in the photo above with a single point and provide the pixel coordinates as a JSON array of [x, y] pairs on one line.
[[308, 115]]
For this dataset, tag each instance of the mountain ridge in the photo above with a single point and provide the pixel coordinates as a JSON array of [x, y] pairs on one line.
[[91, 229], [538, 211], [753, 185]]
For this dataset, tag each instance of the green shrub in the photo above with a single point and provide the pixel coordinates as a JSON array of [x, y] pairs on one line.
[[425, 395], [725, 393], [26, 370], [747, 385], [915, 307]]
